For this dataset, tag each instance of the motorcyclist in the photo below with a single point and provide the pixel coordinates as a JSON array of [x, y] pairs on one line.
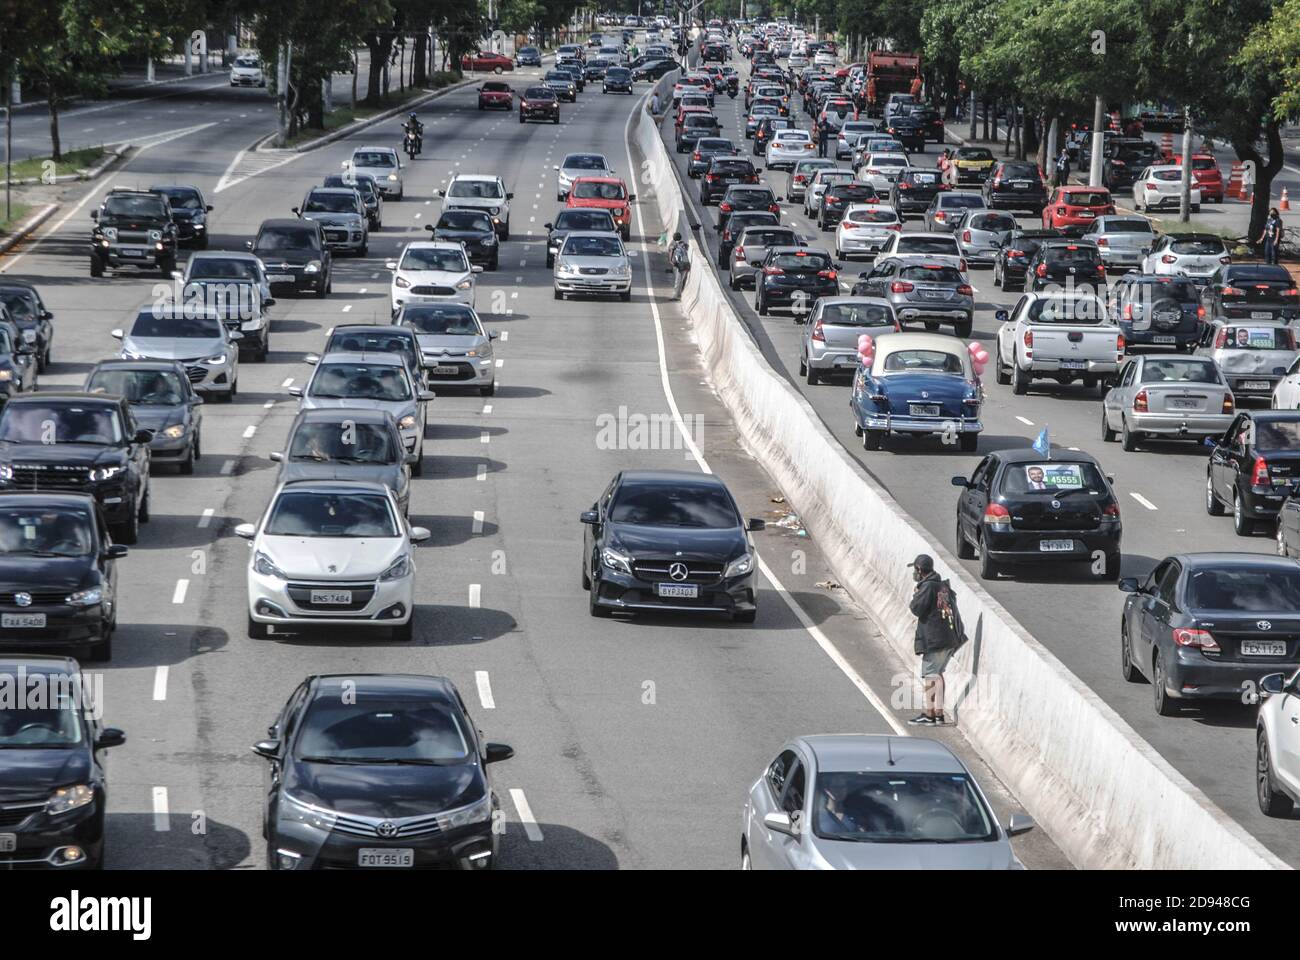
[[413, 125]]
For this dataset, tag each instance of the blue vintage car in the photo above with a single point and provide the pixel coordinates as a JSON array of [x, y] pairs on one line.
[[918, 383]]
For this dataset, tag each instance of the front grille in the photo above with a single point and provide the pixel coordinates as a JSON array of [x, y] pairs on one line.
[[336, 236], [196, 373], [132, 236], [593, 271], [362, 593], [432, 291], [657, 570], [365, 827], [12, 814], [33, 477], [39, 598]]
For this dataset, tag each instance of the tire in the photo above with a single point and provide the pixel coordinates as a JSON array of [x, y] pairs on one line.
[[550, 262], [187, 465], [1212, 505], [1128, 438], [144, 507], [1127, 669], [1019, 380], [595, 609], [963, 328], [1242, 525], [969, 442], [811, 376], [761, 306], [1107, 434], [989, 567], [102, 652], [129, 532], [257, 631], [166, 266], [873, 439], [965, 549], [1272, 802], [586, 577], [733, 281], [1164, 704], [403, 633], [1000, 373], [521, 118], [489, 391], [417, 468]]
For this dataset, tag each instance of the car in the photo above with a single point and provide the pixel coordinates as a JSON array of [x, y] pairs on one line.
[[382, 164], [1065, 336], [295, 256], [480, 191], [871, 802], [408, 736], [1011, 262], [561, 84], [695, 126], [931, 122], [1015, 185], [655, 69], [946, 206], [1071, 209], [837, 111], [768, 127], [1022, 508], [722, 173], [1254, 291], [1209, 626], [706, 148], [348, 445], [133, 228], [573, 51], [1164, 397], [473, 230], [1277, 755], [882, 169], [1286, 395], [528, 57], [189, 212], [974, 164], [595, 69], [18, 364], [592, 263], [79, 443], [481, 60], [758, 112], [1195, 256], [839, 197], [921, 289], [847, 136], [1206, 175], [376, 381], [432, 271], [604, 193], [864, 229], [1160, 311], [1158, 187], [793, 277], [197, 336], [574, 70], [913, 190], [342, 214], [455, 348], [787, 148], [733, 225], [371, 199], [1253, 467], [246, 71], [56, 782], [162, 400], [909, 131], [496, 95], [1124, 159], [828, 344], [667, 540], [578, 218], [617, 80], [1254, 355], [331, 553], [1066, 264], [980, 234], [539, 103], [802, 172], [23, 306], [1123, 241], [374, 338], [577, 165], [240, 307], [751, 247], [814, 187]]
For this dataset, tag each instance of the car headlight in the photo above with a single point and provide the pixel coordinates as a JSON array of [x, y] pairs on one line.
[[622, 270], [110, 234], [313, 267], [564, 266], [616, 561], [407, 422], [104, 473], [6, 472], [216, 361], [399, 568], [464, 284], [287, 859], [155, 236], [69, 798], [401, 283], [29, 336], [479, 812], [494, 210], [175, 431], [490, 240], [392, 177], [308, 813], [619, 211], [742, 565], [86, 598], [6, 375], [262, 564]]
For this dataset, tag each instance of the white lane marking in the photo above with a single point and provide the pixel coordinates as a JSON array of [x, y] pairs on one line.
[[485, 437], [268, 405], [228, 468], [1143, 500], [523, 263], [514, 295], [526, 815], [347, 308], [288, 382], [1027, 423], [475, 595], [484, 690], [161, 817], [505, 335], [160, 682], [362, 290], [482, 472], [178, 595], [206, 519], [519, 279], [477, 527], [500, 363], [487, 408], [249, 431]]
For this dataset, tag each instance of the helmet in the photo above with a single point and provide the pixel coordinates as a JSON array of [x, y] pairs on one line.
[[412, 114], [677, 236]]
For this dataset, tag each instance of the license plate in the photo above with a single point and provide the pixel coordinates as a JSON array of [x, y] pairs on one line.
[[279, 278], [923, 409], [340, 597], [1087, 213], [8, 842], [1263, 648], [1164, 339], [1183, 403], [681, 590], [1022, 186], [20, 621], [1260, 314], [1055, 546], [933, 294], [1254, 385], [381, 857], [444, 370], [1073, 364], [130, 251]]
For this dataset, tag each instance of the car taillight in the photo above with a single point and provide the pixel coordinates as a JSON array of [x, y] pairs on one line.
[[965, 236], [997, 182], [774, 208], [818, 333], [1227, 403], [827, 274], [965, 290], [695, 155], [940, 215], [724, 207], [1029, 339], [740, 253], [1015, 253], [901, 286], [1103, 242], [904, 186], [1259, 475], [1200, 313], [832, 199], [773, 271], [1140, 402], [896, 226], [1233, 291], [1187, 637], [1110, 512], [995, 513], [1041, 270], [1291, 292], [1119, 345], [1101, 268], [1221, 339]]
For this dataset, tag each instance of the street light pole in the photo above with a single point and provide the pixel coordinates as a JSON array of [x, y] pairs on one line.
[[1185, 190], [1098, 142]]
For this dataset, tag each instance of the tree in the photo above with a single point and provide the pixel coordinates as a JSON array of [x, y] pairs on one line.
[[1275, 45]]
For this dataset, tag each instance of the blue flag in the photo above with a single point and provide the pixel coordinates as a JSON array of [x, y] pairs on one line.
[[1042, 445]]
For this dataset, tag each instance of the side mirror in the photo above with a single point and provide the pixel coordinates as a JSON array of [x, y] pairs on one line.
[[549, 226], [113, 737], [1001, 316], [1019, 823], [510, 196], [114, 551], [442, 193], [248, 244], [208, 208], [295, 391], [496, 752], [1129, 585], [780, 199], [1272, 684], [755, 524], [590, 516], [116, 333], [344, 164], [245, 531], [142, 436], [413, 457], [476, 268], [756, 263], [555, 166], [311, 358], [177, 275], [269, 302], [270, 749], [781, 823], [235, 335], [426, 395], [392, 264], [276, 456], [631, 197], [492, 334], [420, 534], [961, 482], [295, 211]]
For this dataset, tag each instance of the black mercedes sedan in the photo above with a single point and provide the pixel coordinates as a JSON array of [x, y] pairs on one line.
[[162, 400], [1020, 507], [33, 317], [189, 212], [378, 771], [1209, 626], [55, 788], [667, 540]]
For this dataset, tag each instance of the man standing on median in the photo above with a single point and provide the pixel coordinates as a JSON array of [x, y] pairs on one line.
[[939, 633]]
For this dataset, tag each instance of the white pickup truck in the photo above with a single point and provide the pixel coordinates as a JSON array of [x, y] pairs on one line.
[[1057, 336]]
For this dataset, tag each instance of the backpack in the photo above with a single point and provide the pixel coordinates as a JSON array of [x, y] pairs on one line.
[[946, 604], [681, 257]]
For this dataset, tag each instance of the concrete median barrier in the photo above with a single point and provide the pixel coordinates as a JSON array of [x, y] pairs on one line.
[[1106, 797]]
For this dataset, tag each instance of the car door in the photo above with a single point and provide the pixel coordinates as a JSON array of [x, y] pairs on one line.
[[1117, 399], [138, 453], [592, 532], [1288, 525], [1150, 610], [971, 503], [283, 730], [1236, 456], [787, 851], [765, 798], [873, 284], [1287, 733]]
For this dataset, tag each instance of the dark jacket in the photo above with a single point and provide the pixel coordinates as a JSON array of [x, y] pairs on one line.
[[933, 630]]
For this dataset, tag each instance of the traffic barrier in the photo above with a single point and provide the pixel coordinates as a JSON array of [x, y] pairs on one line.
[[1167, 145], [1234, 181], [1285, 202], [1106, 797]]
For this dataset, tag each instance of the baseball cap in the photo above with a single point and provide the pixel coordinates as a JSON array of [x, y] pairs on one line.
[[923, 562]]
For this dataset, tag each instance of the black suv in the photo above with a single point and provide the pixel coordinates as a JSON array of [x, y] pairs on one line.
[[721, 173], [79, 442], [17, 359], [28, 312], [908, 130], [1156, 310], [1015, 185], [1244, 291], [133, 228], [189, 213], [58, 580], [746, 196], [1062, 262], [1011, 263], [794, 277], [914, 189], [295, 255], [1124, 159]]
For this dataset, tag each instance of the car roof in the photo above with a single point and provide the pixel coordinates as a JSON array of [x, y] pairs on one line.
[[117, 363], [852, 752], [331, 414], [391, 150], [349, 191], [224, 255], [379, 358], [680, 477], [35, 663], [370, 328], [476, 176], [911, 340], [65, 396], [287, 223], [602, 234], [1216, 559]]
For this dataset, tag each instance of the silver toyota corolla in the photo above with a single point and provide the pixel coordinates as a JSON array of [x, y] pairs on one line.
[[863, 802], [593, 263], [1167, 397], [197, 338]]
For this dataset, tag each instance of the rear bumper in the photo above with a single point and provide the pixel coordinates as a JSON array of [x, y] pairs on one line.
[[1023, 546], [1150, 337], [1017, 199], [1191, 675], [1174, 425], [909, 424], [910, 314]]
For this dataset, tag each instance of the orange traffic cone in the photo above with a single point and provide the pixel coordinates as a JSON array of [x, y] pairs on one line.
[[1285, 203]]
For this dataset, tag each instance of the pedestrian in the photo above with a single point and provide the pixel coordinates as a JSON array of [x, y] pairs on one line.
[[679, 261], [1248, 178], [654, 104], [1061, 175], [823, 135], [1272, 236], [939, 634]]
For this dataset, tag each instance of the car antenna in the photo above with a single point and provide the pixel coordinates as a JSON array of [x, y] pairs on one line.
[[889, 746]]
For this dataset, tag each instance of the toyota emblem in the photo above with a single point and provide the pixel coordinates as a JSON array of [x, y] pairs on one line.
[[1264, 624], [387, 829], [23, 599], [677, 571]]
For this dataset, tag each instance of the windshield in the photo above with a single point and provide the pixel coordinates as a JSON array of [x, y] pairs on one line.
[[306, 513], [351, 341], [360, 381], [960, 201], [496, 86], [1210, 247], [251, 62], [1127, 226], [1179, 370], [768, 238], [215, 268], [381, 728], [147, 206], [374, 158], [930, 273], [176, 326], [675, 505], [434, 258], [584, 220], [444, 320], [1204, 163], [276, 239], [181, 198], [910, 361], [45, 532], [538, 93], [599, 191], [20, 303], [1249, 591], [996, 222], [857, 315], [150, 388], [323, 202], [1066, 310], [1169, 175], [866, 807], [1167, 289], [37, 423], [593, 247], [45, 712], [465, 220], [973, 153], [1085, 198], [584, 161], [699, 120], [801, 261], [872, 216], [346, 440], [1019, 171], [1258, 338], [1054, 476], [476, 189], [940, 245]]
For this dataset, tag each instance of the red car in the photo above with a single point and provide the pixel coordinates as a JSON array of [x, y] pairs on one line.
[[481, 60], [604, 193], [539, 103], [1076, 207], [1206, 173], [496, 95]]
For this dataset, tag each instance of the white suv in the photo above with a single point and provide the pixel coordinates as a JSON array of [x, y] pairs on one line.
[[1277, 739], [479, 191]]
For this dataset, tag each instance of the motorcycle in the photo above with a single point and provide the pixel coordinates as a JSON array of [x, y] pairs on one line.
[[411, 144]]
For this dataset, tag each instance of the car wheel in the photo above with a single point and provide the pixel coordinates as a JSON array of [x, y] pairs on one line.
[[965, 549], [1127, 669], [962, 329], [810, 374], [1164, 704], [488, 391], [1272, 802], [873, 439], [1212, 505], [989, 568], [257, 631], [1107, 434], [1019, 379], [417, 468], [1128, 438], [96, 267], [129, 532], [187, 465], [144, 507], [1242, 525], [744, 616], [761, 306], [521, 118]]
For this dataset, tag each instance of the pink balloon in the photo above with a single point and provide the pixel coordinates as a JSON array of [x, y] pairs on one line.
[[979, 368], [972, 347], [981, 356]]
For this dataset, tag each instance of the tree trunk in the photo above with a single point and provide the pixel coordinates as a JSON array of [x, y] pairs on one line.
[[420, 77], [988, 108], [315, 106], [1011, 129], [354, 79], [56, 148], [1264, 175], [379, 46]]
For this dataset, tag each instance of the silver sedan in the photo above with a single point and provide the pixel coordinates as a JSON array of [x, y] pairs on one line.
[[592, 263], [577, 165], [751, 245], [1168, 397], [829, 342]]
